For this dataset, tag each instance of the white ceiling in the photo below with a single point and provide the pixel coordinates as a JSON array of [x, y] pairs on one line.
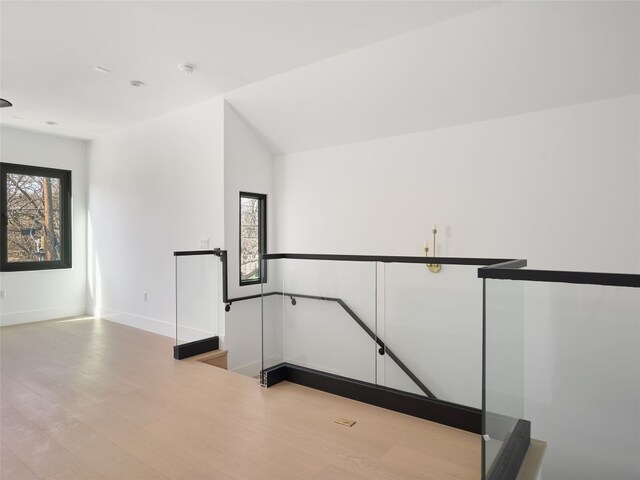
[[49, 50], [507, 59]]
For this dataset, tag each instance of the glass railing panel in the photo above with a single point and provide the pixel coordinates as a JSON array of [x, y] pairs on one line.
[[504, 367], [198, 297], [323, 302], [583, 379], [272, 317], [431, 322]]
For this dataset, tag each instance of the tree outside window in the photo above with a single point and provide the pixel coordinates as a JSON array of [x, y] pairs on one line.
[[36, 222], [252, 236]]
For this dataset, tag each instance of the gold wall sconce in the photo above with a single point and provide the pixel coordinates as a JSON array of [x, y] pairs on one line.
[[433, 267]]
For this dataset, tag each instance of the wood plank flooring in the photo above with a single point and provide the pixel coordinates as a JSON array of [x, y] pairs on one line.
[[85, 399]]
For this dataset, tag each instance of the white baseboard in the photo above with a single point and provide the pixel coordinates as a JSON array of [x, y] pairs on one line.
[[138, 321], [153, 325], [29, 316]]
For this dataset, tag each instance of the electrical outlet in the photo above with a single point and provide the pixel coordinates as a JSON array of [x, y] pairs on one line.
[[3, 293], [204, 243], [145, 297]]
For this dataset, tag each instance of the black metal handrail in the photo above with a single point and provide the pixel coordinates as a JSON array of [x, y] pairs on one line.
[[189, 253], [510, 271], [384, 349], [480, 262], [390, 259]]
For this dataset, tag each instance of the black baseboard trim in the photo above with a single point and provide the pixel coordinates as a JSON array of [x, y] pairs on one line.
[[191, 349], [273, 375], [446, 413], [509, 459]]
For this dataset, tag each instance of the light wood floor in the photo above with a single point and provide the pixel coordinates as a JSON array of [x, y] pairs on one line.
[[90, 399]]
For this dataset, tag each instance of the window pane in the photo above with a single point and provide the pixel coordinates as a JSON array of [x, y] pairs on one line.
[[34, 218], [251, 243]]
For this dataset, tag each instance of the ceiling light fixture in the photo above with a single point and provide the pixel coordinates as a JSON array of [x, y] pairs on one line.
[[51, 123], [136, 83], [186, 68], [102, 70], [5, 103]]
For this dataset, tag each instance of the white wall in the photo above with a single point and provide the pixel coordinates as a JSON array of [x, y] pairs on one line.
[[505, 59], [558, 187], [162, 186], [248, 167], [154, 188], [46, 294]]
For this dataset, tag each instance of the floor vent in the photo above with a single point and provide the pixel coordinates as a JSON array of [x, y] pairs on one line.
[[346, 422]]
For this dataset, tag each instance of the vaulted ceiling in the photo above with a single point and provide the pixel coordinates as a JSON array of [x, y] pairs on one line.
[[49, 51], [510, 58]]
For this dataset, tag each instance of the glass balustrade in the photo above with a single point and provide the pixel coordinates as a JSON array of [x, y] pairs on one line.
[[307, 321], [431, 322], [504, 366], [272, 322], [580, 384], [553, 356], [386, 321], [198, 297]]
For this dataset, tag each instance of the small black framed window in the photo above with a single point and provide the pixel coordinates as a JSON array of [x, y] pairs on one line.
[[253, 236], [36, 218]]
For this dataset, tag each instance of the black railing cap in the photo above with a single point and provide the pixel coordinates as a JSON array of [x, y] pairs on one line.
[[560, 276], [387, 259], [188, 253]]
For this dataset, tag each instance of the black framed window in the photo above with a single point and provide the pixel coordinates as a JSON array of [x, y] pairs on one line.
[[36, 217], [253, 236]]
